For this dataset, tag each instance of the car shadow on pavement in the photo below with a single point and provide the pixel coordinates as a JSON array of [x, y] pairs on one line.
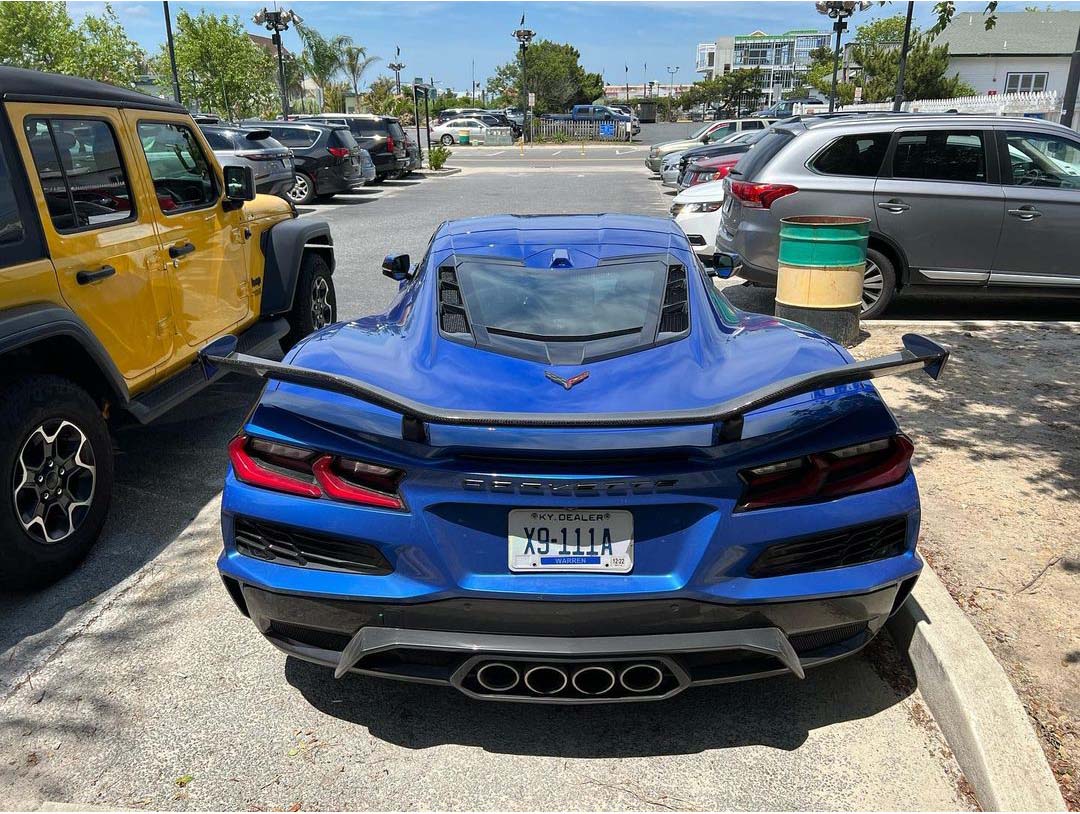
[[165, 473], [776, 712]]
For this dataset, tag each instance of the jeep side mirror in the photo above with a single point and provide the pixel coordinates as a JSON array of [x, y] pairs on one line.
[[396, 267], [723, 265], [239, 185]]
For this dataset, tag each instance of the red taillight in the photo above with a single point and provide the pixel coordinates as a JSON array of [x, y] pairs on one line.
[[339, 152], [822, 475], [303, 472], [390, 143], [760, 196]]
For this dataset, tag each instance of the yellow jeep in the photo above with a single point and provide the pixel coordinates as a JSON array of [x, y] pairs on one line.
[[124, 248]]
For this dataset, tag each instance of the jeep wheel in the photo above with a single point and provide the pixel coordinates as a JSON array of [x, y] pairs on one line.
[[303, 191], [315, 302], [57, 469], [879, 284]]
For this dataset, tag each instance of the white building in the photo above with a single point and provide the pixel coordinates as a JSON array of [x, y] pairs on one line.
[[1024, 51], [782, 58]]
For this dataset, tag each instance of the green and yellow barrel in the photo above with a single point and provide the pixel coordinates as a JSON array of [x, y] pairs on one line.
[[820, 273]]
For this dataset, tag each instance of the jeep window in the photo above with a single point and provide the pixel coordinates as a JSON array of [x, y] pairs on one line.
[[11, 228], [858, 154], [1043, 160], [81, 176], [183, 178], [940, 155]]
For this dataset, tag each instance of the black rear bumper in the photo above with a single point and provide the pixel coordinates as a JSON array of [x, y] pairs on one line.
[[682, 642]]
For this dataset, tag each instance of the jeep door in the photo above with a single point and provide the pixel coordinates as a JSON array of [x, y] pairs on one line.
[[99, 228], [939, 199], [1040, 239], [204, 240]]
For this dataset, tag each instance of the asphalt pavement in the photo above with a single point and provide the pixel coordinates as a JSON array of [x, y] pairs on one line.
[[136, 683]]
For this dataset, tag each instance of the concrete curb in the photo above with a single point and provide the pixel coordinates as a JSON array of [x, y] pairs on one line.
[[974, 703], [440, 173]]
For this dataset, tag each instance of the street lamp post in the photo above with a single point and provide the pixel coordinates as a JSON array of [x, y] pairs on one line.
[[276, 21], [671, 82], [397, 68], [172, 52], [838, 11], [524, 36]]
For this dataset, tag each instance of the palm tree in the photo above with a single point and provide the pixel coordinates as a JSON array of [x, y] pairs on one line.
[[322, 58], [356, 63]]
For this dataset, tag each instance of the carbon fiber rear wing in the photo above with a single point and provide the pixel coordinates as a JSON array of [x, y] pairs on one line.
[[727, 416]]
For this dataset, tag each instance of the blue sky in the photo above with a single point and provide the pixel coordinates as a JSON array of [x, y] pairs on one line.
[[444, 39]]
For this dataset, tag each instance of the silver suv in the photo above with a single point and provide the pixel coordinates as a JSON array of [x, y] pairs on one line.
[[980, 204]]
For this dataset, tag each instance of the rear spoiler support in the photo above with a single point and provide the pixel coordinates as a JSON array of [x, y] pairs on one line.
[[918, 353]]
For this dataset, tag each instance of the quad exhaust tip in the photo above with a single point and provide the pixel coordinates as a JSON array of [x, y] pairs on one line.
[[545, 680], [641, 678], [495, 676], [593, 680]]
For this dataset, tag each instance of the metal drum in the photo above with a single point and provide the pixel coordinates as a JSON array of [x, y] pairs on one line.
[[820, 273]]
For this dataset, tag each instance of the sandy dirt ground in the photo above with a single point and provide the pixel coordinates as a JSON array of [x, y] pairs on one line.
[[998, 461]]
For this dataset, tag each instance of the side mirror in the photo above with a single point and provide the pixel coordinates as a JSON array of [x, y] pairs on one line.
[[396, 267], [723, 265], [239, 185]]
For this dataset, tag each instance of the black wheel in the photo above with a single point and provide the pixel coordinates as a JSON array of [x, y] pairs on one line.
[[447, 139], [303, 191], [315, 301], [378, 179], [879, 284], [56, 468]]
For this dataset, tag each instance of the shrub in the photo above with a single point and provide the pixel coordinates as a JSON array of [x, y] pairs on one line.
[[437, 157]]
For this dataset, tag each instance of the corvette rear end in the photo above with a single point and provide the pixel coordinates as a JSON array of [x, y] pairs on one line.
[[562, 468]]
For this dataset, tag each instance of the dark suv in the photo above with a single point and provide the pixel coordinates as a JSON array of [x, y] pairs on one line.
[[382, 136], [326, 157]]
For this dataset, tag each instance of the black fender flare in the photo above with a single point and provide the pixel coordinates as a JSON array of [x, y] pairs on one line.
[[26, 325], [284, 245]]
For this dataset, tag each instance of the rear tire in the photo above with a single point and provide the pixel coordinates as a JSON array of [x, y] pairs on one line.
[[49, 520], [315, 301], [879, 284], [447, 140], [303, 191]]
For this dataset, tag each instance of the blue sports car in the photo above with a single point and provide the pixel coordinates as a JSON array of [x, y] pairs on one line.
[[563, 468]]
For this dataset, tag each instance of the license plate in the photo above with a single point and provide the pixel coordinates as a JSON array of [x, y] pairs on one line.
[[571, 540]]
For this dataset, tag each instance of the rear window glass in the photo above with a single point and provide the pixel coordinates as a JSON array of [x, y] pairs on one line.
[[294, 136], [396, 131], [342, 138], [754, 161], [218, 140], [367, 127], [858, 154], [940, 155]]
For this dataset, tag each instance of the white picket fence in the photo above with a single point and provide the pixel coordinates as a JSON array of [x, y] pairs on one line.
[[578, 131], [1007, 104]]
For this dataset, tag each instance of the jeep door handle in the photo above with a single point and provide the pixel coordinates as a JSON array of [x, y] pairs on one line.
[[180, 249], [87, 277], [1026, 213], [894, 206]]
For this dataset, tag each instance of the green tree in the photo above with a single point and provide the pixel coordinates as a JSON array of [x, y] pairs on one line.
[[323, 59], [553, 72], [106, 52], [925, 77], [355, 63], [381, 99], [819, 75], [220, 67], [886, 29], [947, 9]]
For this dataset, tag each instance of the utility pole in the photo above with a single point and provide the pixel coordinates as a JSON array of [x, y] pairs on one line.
[[276, 21], [898, 96], [172, 53], [1068, 106]]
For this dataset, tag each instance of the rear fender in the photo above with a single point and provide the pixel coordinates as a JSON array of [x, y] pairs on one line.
[[284, 246]]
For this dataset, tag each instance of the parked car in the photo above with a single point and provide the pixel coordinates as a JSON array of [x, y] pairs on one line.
[[597, 113], [450, 132], [697, 211], [705, 170], [412, 152], [500, 120], [457, 113], [957, 204], [671, 169], [382, 136], [326, 158], [125, 248], [271, 162], [785, 108], [710, 133], [383, 515]]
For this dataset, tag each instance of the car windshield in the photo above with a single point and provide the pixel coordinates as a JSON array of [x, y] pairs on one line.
[[701, 131]]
